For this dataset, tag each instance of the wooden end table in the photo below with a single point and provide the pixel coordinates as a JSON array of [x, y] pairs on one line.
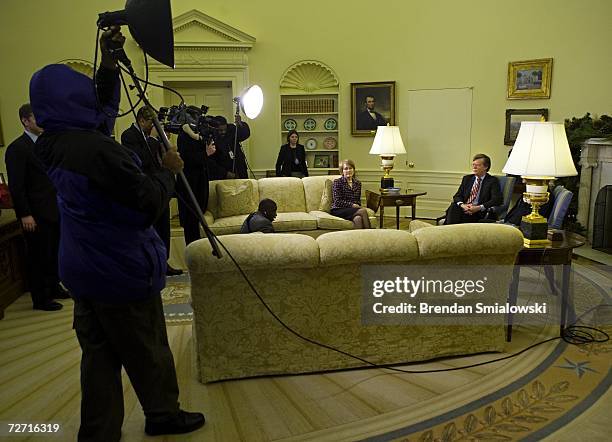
[[556, 253], [375, 200]]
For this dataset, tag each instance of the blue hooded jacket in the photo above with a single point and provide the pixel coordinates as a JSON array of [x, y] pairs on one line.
[[108, 250]]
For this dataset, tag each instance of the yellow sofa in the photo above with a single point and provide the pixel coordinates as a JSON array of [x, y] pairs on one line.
[[314, 285], [298, 200]]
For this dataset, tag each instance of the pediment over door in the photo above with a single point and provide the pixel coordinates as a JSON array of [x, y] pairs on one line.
[[201, 40]]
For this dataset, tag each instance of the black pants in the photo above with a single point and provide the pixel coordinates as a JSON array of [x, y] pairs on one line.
[[41, 254], [162, 227], [132, 335], [455, 215]]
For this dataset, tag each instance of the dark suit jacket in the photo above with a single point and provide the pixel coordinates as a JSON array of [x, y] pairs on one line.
[[285, 159], [32, 191], [521, 209], [366, 122], [147, 150], [490, 193]]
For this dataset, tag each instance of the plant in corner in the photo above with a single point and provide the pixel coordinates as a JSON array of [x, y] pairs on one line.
[[579, 130]]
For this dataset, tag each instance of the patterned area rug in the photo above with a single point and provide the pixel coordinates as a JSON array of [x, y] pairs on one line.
[[551, 395], [177, 300]]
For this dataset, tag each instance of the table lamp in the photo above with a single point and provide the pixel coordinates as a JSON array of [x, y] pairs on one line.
[[541, 153], [387, 143]]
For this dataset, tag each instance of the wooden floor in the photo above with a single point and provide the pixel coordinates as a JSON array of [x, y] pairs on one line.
[[39, 382]]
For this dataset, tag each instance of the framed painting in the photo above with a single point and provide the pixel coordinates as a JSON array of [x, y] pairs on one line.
[[514, 118], [321, 161], [529, 79], [372, 105]]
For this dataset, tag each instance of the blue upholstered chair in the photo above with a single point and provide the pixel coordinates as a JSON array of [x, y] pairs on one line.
[[506, 184], [563, 198]]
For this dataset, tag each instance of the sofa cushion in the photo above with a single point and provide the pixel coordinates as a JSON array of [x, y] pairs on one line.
[[367, 246], [459, 240], [416, 224], [327, 197], [254, 251], [236, 197], [227, 225], [292, 221], [313, 190], [287, 192], [329, 222]]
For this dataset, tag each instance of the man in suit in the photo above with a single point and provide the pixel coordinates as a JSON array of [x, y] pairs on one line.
[[477, 193], [369, 119], [138, 138], [35, 205]]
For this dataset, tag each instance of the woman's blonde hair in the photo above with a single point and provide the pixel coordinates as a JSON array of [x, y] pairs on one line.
[[349, 162]]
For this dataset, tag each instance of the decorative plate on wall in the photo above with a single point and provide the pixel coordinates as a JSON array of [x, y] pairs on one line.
[[330, 124], [290, 124], [310, 124], [311, 144], [330, 143]]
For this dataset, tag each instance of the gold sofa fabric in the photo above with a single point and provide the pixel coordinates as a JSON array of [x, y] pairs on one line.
[[236, 337], [456, 240], [293, 221], [367, 246], [297, 199], [287, 192]]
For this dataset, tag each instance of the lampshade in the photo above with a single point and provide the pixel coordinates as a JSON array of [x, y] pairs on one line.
[[388, 141], [150, 23], [541, 150], [251, 101]]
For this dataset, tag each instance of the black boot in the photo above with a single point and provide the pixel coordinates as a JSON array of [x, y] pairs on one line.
[[50, 306], [171, 271], [183, 422]]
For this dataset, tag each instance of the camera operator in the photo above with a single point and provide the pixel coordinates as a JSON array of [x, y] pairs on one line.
[[110, 256], [230, 164], [138, 137], [195, 150]]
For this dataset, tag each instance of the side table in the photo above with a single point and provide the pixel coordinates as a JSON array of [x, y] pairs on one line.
[[375, 200], [556, 253]]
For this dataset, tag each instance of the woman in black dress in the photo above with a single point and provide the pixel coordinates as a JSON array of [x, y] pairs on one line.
[[292, 158]]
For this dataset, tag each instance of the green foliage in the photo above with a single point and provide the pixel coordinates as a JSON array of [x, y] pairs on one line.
[[579, 130]]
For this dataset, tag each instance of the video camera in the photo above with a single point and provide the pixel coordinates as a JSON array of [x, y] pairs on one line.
[[174, 117]]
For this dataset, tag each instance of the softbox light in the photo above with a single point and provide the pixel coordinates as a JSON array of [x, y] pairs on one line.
[[150, 23]]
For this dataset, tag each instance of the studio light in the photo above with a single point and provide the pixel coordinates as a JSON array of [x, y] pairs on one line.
[[251, 101], [150, 23]]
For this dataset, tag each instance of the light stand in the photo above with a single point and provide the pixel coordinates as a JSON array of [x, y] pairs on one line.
[[251, 102]]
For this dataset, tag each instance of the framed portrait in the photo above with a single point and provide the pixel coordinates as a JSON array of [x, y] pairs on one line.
[[514, 118], [372, 105], [321, 161], [529, 79]]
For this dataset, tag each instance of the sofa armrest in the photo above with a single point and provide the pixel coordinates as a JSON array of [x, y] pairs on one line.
[[209, 218]]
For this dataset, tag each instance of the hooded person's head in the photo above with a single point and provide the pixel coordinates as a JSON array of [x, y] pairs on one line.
[[63, 98]]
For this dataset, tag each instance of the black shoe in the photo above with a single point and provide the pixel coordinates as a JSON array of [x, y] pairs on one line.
[[61, 293], [183, 422], [50, 306], [171, 271]]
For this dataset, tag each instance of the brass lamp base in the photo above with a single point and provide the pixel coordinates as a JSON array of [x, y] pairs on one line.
[[535, 232], [534, 226], [386, 182]]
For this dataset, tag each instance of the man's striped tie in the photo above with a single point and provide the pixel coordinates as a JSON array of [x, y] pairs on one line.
[[475, 189]]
